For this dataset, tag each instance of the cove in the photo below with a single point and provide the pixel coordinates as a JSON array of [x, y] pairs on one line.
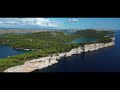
[[83, 40], [6, 51]]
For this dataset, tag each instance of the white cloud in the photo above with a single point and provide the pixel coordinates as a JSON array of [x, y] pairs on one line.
[[73, 20], [46, 22], [30, 21]]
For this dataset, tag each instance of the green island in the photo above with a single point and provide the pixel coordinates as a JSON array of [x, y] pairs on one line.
[[42, 44]]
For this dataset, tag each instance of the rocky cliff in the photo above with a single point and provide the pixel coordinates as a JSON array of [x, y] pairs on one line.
[[32, 65]]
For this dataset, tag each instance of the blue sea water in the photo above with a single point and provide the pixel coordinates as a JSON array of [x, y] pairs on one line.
[[102, 60], [6, 51]]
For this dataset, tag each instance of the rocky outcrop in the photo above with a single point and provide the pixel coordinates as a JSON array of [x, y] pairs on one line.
[[32, 65], [96, 46]]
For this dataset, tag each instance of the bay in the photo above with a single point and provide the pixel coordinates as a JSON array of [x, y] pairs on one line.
[[6, 51]]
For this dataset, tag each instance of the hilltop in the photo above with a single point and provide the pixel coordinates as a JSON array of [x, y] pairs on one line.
[[7, 31]]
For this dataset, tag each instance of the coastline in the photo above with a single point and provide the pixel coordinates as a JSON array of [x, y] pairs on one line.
[[43, 62]]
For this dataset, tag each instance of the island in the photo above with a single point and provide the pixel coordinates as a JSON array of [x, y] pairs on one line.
[[46, 48]]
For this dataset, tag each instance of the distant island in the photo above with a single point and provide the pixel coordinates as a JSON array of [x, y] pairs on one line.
[[47, 43]]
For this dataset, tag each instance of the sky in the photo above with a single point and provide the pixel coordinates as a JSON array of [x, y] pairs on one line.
[[61, 23]]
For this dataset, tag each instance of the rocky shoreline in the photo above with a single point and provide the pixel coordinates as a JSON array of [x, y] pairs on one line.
[[43, 62], [32, 65]]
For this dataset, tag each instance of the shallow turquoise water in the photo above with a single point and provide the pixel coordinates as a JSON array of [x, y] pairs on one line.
[[102, 60], [83, 40]]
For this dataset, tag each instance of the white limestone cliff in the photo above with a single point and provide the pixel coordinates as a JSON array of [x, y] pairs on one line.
[[41, 63]]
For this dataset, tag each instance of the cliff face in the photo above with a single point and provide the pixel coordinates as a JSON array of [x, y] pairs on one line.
[[32, 65], [96, 46]]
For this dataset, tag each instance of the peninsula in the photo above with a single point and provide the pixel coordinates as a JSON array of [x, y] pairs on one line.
[[46, 48]]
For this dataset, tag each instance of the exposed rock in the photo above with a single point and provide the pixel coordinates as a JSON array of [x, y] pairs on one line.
[[40, 63]]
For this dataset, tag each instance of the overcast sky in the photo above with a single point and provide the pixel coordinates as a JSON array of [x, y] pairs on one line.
[[61, 23]]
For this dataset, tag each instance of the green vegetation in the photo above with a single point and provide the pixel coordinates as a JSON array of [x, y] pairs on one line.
[[36, 41], [44, 43], [100, 35], [6, 63]]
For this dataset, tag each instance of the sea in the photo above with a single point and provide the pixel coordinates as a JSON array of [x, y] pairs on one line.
[[103, 60]]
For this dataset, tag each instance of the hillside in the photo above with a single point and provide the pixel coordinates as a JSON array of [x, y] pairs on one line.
[[44, 43], [19, 31]]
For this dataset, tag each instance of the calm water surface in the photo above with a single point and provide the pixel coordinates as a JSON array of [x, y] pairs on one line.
[[6, 51], [83, 40], [103, 60]]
